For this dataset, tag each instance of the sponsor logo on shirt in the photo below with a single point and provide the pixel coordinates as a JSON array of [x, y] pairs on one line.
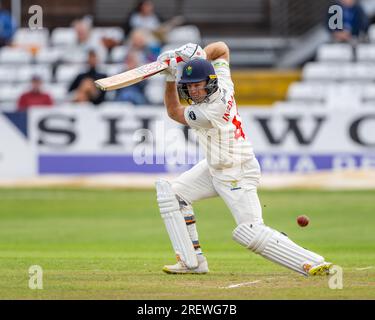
[[226, 115], [192, 115], [234, 185]]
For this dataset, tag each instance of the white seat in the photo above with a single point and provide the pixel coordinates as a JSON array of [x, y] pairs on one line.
[[339, 72], [11, 93], [64, 37], [115, 33], [321, 71], [79, 54], [15, 55], [74, 55], [67, 72], [57, 91], [118, 53], [25, 73], [368, 105], [337, 52], [366, 52], [28, 37], [111, 69], [184, 34], [49, 55], [307, 91], [298, 105], [344, 94], [7, 73], [8, 107], [371, 33], [368, 93], [360, 71]]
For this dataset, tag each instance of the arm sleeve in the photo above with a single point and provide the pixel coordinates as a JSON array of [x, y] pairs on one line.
[[196, 119], [222, 71]]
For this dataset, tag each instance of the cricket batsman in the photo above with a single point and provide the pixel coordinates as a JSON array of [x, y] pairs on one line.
[[230, 169]]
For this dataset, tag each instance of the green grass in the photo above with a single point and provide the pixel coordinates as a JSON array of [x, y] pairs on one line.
[[112, 244]]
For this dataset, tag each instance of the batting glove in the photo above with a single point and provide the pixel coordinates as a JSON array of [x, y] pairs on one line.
[[167, 55], [171, 71], [190, 51]]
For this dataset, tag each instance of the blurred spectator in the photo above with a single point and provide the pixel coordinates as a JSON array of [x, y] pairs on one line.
[[355, 21], [83, 29], [7, 27], [35, 96], [143, 16], [141, 44], [83, 86], [135, 93], [86, 39]]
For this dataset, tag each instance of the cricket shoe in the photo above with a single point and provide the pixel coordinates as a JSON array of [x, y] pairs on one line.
[[181, 268], [321, 269]]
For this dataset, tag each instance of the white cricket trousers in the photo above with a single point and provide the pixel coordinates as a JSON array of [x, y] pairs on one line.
[[237, 186]]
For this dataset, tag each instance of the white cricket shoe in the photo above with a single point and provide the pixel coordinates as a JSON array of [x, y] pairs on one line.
[[181, 268]]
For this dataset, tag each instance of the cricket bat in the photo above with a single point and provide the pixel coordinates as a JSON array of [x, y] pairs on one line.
[[133, 76]]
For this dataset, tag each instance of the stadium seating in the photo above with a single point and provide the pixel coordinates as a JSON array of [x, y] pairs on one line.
[[64, 37], [67, 72], [181, 35], [25, 73], [118, 54], [366, 52], [336, 52], [360, 71], [342, 76], [114, 33], [313, 92], [49, 55], [341, 72], [371, 33], [27, 37], [15, 55]]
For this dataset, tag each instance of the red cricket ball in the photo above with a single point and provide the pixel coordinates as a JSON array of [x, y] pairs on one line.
[[303, 221]]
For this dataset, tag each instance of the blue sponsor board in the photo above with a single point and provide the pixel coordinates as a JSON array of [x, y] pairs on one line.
[[279, 163], [270, 163], [98, 164]]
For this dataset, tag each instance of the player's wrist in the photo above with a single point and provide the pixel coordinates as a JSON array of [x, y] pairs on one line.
[[170, 77]]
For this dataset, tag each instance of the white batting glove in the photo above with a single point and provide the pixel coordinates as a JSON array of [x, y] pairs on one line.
[[167, 55], [171, 72], [190, 51]]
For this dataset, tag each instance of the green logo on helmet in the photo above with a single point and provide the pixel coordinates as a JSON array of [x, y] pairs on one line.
[[189, 70]]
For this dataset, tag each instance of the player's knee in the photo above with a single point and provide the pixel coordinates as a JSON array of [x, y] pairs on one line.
[[166, 198]]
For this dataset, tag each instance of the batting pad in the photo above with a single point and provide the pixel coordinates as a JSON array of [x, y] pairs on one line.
[[175, 224], [275, 246]]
